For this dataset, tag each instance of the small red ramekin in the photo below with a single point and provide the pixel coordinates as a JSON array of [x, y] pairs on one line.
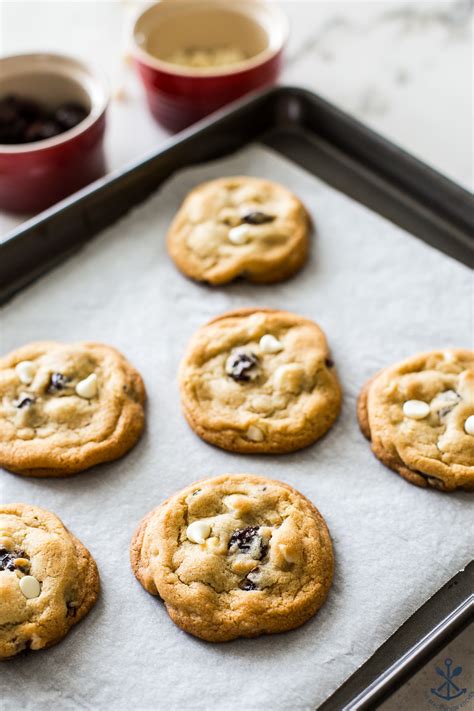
[[178, 95], [34, 176]]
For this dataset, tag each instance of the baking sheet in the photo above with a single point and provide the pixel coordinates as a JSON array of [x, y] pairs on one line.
[[380, 295]]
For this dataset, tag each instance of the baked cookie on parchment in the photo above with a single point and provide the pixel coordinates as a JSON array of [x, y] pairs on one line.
[[235, 556], [240, 227], [66, 407], [419, 417], [259, 381], [48, 580]]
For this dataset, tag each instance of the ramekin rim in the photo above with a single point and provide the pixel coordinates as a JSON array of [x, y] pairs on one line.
[[212, 72], [95, 114]]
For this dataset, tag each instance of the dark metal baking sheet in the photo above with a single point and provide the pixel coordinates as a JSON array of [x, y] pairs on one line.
[[356, 161]]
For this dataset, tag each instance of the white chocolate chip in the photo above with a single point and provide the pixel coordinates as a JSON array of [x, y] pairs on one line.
[[270, 344], [240, 234], [469, 425], [30, 587], [216, 546], [416, 409], [286, 553], [87, 388], [25, 371], [254, 434], [241, 503], [289, 378], [198, 531], [262, 404]]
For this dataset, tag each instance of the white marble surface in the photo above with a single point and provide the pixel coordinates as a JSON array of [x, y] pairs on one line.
[[402, 67]]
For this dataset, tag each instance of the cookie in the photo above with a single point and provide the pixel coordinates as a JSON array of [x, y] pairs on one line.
[[235, 556], [67, 407], [419, 417], [240, 227], [48, 580], [259, 381]]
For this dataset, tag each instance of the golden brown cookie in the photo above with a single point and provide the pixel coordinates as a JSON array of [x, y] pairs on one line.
[[259, 381], [66, 407], [419, 416], [48, 580], [240, 226], [235, 556]]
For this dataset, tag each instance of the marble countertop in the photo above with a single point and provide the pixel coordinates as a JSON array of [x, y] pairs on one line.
[[404, 68]]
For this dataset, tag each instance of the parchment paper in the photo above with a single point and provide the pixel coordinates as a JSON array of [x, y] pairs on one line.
[[380, 295]]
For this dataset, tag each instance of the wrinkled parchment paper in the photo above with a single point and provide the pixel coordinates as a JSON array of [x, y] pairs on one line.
[[380, 295]]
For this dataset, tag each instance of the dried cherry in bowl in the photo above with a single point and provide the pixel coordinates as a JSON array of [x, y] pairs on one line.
[[47, 159]]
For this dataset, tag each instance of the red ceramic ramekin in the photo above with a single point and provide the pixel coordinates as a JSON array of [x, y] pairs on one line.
[[179, 95], [33, 176]]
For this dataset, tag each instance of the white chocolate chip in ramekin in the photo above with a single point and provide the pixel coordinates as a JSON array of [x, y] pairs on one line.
[[469, 425], [87, 388], [240, 234], [416, 409], [289, 378], [270, 344], [25, 371], [30, 587], [255, 434], [198, 531]]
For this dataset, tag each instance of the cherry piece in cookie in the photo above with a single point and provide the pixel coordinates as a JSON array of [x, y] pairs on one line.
[[13, 560], [57, 382], [242, 365], [257, 218], [248, 540]]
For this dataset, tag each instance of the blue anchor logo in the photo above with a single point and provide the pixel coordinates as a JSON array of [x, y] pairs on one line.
[[448, 690]]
